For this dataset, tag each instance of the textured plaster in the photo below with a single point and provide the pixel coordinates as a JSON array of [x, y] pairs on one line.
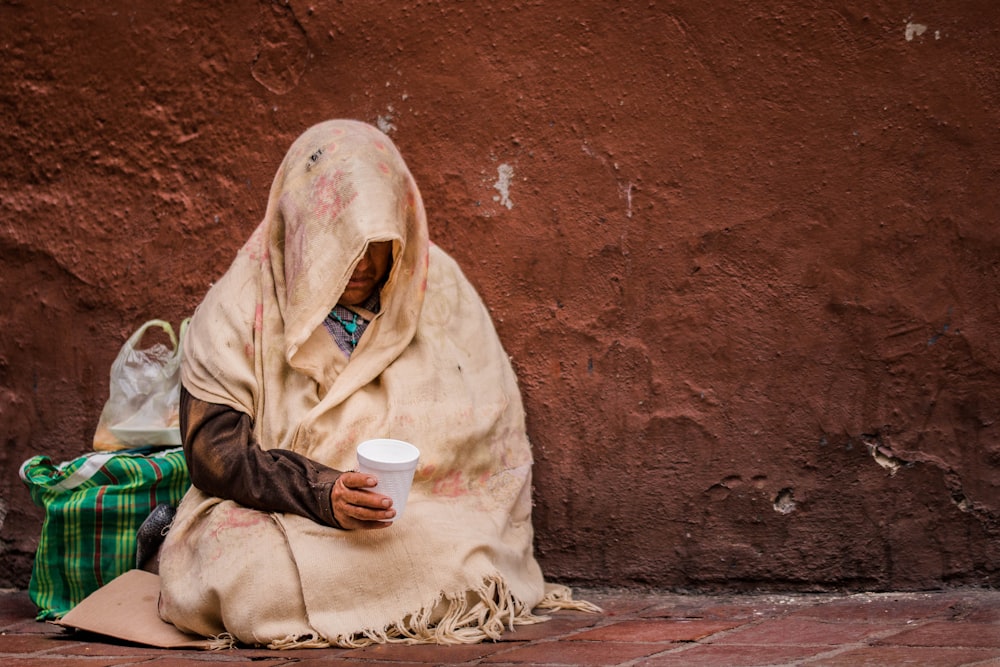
[[745, 261]]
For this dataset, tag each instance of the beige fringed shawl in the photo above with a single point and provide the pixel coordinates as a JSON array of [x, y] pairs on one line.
[[458, 567]]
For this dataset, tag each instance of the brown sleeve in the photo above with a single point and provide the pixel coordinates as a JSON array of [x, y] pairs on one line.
[[224, 460]]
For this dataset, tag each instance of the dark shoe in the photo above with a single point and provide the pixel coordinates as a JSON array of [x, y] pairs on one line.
[[151, 533]]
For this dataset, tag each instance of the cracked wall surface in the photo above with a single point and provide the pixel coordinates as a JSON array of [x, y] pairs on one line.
[[745, 262]]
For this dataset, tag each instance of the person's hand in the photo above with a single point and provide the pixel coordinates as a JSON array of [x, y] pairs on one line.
[[355, 507]]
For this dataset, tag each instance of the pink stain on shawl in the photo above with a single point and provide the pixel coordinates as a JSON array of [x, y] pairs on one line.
[[294, 238], [427, 263], [451, 485], [241, 517], [331, 194], [295, 245], [256, 245], [235, 517]]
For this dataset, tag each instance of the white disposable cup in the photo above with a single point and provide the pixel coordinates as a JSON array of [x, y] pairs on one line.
[[393, 463]]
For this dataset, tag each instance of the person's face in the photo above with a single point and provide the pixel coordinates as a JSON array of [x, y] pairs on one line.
[[369, 271]]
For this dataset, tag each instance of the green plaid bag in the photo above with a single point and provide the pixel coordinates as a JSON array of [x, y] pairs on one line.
[[93, 507]]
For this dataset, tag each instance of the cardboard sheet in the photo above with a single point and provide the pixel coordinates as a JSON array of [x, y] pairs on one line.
[[126, 609]]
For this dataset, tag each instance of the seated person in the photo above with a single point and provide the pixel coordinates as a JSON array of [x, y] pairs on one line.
[[336, 323]]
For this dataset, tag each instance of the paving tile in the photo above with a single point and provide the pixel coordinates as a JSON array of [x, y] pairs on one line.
[[954, 627], [948, 633], [879, 656], [979, 606], [325, 661], [36, 628], [578, 654], [802, 631], [292, 653], [718, 655], [33, 643], [736, 607], [655, 631], [984, 615], [211, 658], [15, 607], [48, 661], [559, 625], [618, 603], [882, 607], [428, 653], [102, 646]]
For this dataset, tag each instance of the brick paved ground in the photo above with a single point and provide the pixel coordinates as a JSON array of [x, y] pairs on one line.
[[937, 629]]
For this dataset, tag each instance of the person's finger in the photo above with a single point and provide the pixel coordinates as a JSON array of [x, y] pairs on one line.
[[356, 509], [357, 480], [365, 514], [353, 489], [353, 518]]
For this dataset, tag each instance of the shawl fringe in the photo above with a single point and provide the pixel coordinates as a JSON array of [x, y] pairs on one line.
[[561, 598], [466, 618], [221, 642]]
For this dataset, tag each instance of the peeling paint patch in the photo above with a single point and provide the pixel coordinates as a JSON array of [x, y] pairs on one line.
[[504, 173], [915, 30], [784, 502], [884, 458], [627, 195], [384, 123], [962, 503]]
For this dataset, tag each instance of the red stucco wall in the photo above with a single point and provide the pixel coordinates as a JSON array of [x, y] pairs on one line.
[[743, 246]]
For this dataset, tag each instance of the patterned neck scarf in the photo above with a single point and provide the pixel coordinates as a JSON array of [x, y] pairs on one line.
[[347, 326]]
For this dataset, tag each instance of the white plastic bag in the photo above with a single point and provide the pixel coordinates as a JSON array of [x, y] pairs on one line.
[[144, 395]]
